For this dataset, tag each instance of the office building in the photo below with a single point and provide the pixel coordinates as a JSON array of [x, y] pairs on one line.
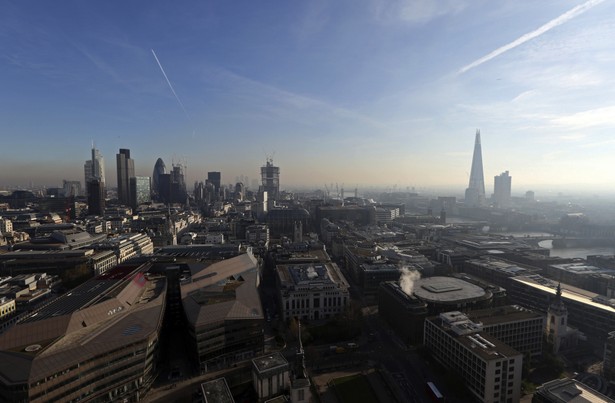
[[404, 313], [501, 190], [125, 171], [98, 342], [96, 197], [172, 186], [95, 168], [270, 178], [311, 291], [159, 169], [223, 312], [140, 191], [71, 188], [475, 193], [608, 364], [518, 327], [215, 179], [491, 369]]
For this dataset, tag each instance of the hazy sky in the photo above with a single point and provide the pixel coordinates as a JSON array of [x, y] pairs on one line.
[[349, 91]]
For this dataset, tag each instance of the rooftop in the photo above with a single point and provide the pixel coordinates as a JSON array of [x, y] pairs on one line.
[[446, 290], [270, 361], [571, 391], [217, 391]]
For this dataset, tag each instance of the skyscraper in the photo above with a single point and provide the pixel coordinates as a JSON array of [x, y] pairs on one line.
[[475, 193], [96, 197], [270, 176], [501, 190], [94, 168], [125, 171], [159, 169], [140, 191]]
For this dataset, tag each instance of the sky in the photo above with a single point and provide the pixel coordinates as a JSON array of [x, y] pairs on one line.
[[367, 92]]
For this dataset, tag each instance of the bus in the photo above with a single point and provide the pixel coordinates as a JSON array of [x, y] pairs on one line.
[[434, 393]]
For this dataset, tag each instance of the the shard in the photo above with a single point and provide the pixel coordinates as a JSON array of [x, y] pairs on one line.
[[475, 193]]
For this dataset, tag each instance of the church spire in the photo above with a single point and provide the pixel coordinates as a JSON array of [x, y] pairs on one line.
[[300, 372]]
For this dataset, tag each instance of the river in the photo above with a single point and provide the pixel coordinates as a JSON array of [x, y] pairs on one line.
[[577, 252]]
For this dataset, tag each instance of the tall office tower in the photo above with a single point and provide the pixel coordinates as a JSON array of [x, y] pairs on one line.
[[501, 190], [71, 188], [159, 169], [96, 197], [215, 179], [270, 176], [475, 193], [125, 171], [95, 168], [140, 191]]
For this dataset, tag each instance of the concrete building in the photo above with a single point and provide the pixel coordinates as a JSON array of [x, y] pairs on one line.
[[608, 364], [311, 291], [97, 342], [404, 313], [590, 313], [567, 391], [223, 310], [501, 190], [216, 391], [518, 327], [491, 369], [257, 234], [446, 293], [7, 307], [270, 375]]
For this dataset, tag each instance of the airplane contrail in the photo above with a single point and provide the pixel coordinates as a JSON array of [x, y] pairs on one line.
[[567, 16], [171, 86]]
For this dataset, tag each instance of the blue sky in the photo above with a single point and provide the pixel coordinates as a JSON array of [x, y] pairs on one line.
[[358, 92]]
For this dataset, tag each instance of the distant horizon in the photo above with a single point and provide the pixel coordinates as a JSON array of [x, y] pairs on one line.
[[374, 92]]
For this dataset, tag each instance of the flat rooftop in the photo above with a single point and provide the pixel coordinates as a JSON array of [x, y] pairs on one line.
[[446, 290], [217, 391], [502, 314], [85, 294], [571, 391], [269, 361]]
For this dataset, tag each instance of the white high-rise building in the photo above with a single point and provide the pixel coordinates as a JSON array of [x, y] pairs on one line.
[[501, 190]]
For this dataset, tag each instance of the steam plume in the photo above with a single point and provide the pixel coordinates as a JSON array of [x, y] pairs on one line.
[[407, 279]]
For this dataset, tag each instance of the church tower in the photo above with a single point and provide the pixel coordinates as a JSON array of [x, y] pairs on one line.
[[557, 321], [300, 383]]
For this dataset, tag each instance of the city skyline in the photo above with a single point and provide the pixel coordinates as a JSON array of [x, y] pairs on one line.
[[380, 93]]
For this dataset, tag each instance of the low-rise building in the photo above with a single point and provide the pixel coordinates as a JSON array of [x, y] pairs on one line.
[[491, 369], [567, 390], [311, 291], [520, 328], [270, 375]]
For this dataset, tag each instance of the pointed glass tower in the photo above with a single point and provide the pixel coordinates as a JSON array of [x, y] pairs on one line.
[[475, 193]]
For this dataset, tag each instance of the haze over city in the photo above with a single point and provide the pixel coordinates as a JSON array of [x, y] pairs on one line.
[[359, 93]]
